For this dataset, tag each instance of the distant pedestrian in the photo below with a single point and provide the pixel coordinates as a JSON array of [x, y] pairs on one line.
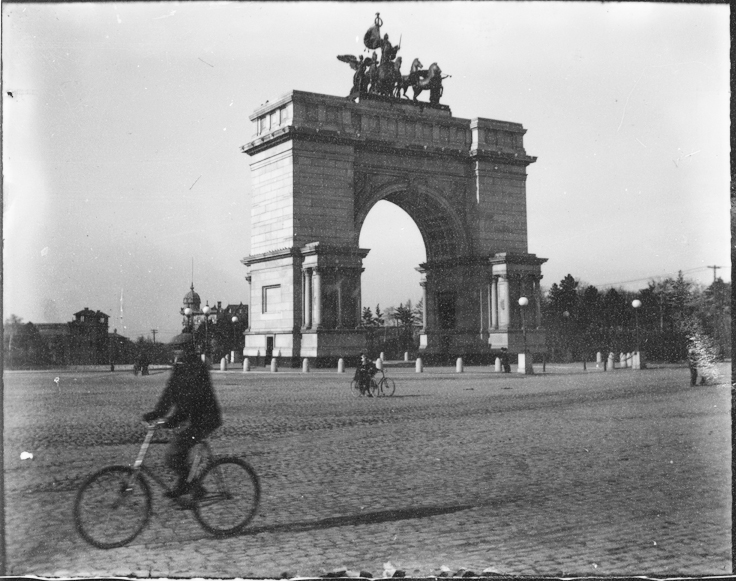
[[505, 363], [144, 363], [692, 363]]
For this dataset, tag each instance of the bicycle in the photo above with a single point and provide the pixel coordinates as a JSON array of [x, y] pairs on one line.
[[114, 504], [386, 386], [383, 387], [357, 390]]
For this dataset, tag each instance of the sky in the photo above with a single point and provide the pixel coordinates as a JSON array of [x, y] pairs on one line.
[[123, 122]]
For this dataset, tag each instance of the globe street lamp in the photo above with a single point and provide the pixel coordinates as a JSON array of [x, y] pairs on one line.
[[188, 315], [523, 302], [206, 311]]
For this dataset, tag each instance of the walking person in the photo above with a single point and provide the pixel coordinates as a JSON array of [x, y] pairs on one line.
[[505, 363], [189, 399], [692, 364]]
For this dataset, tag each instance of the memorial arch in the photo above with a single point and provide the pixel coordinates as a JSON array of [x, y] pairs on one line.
[[319, 163]]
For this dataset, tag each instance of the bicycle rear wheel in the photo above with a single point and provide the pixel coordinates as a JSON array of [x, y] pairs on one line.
[[112, 507], [355, 388], [387, 386], [231, 493]]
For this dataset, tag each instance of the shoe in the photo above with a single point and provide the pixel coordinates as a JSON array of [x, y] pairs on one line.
[[198, 491], [179, 490]]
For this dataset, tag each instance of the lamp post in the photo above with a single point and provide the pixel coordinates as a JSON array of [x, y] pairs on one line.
[[523, 302], [235, 335], [636, 303], [206, 311]]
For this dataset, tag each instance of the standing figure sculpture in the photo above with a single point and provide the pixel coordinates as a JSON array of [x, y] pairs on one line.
[[360, 78]]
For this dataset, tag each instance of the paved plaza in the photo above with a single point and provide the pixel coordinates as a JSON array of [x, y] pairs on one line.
[[568, 473]]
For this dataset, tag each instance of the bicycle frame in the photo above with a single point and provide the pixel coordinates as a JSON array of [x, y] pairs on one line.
[[203, 450]]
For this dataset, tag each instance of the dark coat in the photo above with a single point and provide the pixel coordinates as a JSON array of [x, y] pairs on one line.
[[189, 395]]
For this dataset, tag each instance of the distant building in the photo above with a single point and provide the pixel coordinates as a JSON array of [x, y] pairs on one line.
[[83, 341], [194, 313], [223, 333]]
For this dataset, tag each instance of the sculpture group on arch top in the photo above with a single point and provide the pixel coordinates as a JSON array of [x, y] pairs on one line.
[[382, 76]]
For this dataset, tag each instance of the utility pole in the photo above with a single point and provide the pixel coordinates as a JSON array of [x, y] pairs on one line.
[[154, 331], [714, 271]]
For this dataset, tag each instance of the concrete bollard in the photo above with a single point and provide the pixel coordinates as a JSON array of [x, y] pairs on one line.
[[525, 364], [497, 366], [341, 365], [305, 365], [274, 364], [379, 362], [223, 364], [418, 365], [246, 365], [406, 356], [459, 365]]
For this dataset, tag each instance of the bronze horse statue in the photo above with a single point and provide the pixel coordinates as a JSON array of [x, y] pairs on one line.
[[410, 79], [384, 78], [430, 80]]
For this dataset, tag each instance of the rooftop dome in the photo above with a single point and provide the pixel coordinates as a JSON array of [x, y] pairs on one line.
[[192, 300]]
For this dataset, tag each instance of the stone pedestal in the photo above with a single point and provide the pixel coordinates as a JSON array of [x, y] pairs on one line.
[[525, 364]]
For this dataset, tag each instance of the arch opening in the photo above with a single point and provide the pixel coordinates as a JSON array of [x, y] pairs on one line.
[[397, 247]]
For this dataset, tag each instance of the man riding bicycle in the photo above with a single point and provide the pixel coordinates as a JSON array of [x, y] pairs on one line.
[[187, 397], [364, 372]]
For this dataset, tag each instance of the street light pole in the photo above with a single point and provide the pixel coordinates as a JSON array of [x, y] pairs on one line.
[[235, 340], [206, 311], [637, 304], [523, 302]]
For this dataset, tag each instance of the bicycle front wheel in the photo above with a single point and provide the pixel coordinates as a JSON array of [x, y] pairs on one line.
[[112, 507], [230, 495], [387, 386], [374, 388]]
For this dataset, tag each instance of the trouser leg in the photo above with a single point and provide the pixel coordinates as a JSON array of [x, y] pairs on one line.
[[177, 457]]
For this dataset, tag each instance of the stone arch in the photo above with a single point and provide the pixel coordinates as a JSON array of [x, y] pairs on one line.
[[319, 163], [442, 229]]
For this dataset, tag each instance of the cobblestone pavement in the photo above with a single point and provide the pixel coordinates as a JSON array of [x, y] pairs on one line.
[[571, 472]]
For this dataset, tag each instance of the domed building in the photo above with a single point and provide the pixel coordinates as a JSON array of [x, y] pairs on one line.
[[191, 301]]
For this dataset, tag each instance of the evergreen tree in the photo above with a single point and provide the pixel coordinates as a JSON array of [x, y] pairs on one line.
[[378, 318], [366, 319]]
